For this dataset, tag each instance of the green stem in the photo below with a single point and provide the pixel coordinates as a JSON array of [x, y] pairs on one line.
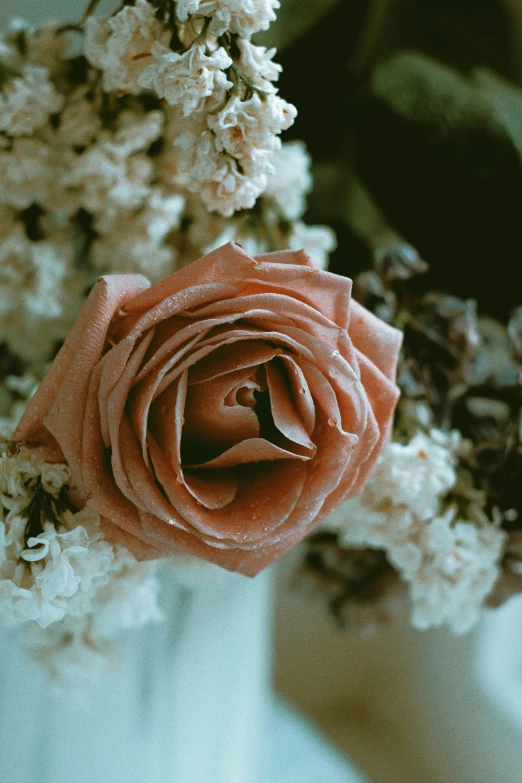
[[239, 76], [375, 19], [91, 8]]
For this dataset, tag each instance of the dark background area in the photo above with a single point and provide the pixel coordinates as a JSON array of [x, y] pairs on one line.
[[417, 103]]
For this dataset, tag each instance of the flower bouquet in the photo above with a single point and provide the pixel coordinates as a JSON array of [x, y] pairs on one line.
[[188, 394]]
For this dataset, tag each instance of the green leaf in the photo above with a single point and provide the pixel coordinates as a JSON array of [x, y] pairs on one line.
[[505, 100], [440, 153], [436, 97]]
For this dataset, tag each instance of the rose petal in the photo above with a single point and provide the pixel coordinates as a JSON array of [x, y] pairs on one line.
[[383, 396], [210, 420], [113, 405], [146, 391], [100, 491], [114, 363], [293, 257], [268, 492], [252, 450], [328, 293], [211, 344], [228, 264], [212, 491], [301, 397], [284, 414], [65, 420], [231, 357], [64, 386], [177, 303], [376, 339], [132, 474]]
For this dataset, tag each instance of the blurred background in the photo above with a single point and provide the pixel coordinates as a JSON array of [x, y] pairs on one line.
[[412, 112]]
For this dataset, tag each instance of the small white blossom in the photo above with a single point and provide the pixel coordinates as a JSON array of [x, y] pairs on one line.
[[218, 180], [317, 241], [135, 242], [80, 124], [136, 132], [182, 138], [47, 575], [254, 123], [107, 181], [53, 573], [37, 294], [65, 570], [46, 46], [27, 101], [416, 475], [238, 16], [114, 174], [229, 167], [161, 215], [256, 62], [186, 80], [450, 564], [459, 568], [121, 45], [18, 477], [290, 182], [406, 487], [30, 173]]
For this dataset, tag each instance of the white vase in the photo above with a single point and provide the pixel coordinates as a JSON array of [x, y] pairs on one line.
[[190, 703], [499, 659]]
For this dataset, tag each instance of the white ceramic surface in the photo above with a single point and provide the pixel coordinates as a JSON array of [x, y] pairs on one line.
[[190, 703], [186, 705], [499, 660]]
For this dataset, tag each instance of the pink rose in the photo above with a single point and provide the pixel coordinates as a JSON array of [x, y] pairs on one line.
[[223, 412]]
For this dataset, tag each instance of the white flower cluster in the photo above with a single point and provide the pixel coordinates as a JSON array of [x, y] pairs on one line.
[[281, 209], [229, 115], [120, 45], [450, 563], [244, 17], [95, 182], [114, 181], [38, 295], [79, 649], [48, 567], [55, 564], [27, 101]]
